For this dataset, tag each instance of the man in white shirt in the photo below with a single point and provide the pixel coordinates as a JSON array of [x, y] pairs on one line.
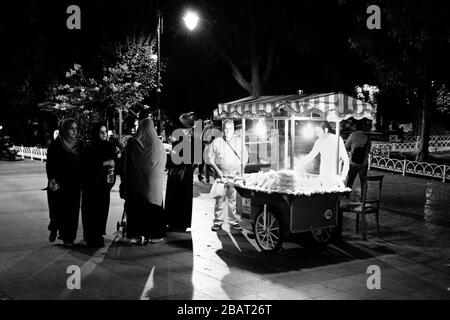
[[225, 155], [326, 146]]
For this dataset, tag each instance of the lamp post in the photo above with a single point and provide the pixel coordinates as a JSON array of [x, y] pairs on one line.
[[191, 20], [158, 65]]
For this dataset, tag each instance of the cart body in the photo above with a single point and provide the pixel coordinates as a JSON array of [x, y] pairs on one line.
[[274, 215], [298, 213]]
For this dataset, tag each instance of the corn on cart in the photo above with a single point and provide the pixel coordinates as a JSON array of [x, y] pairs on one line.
[[281, 201]]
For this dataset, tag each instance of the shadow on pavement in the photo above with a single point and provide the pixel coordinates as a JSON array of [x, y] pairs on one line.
[[117, 271], [242, 254], [150, 272], [201, 188]]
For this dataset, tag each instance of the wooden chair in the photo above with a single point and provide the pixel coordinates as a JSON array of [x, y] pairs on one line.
[[367, 206]]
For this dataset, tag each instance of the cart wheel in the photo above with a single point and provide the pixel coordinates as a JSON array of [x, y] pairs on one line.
[[268, 230], [322, 236]]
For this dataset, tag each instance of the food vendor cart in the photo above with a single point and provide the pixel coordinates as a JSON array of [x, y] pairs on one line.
[[275, 212]]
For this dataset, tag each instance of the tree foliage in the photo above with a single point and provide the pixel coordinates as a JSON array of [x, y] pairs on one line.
[[133, 75], [126, 81], [408, 53]]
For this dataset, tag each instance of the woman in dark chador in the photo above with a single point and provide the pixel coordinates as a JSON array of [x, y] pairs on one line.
[[142, 185], [98, 178], [64, 182], [179, 191]]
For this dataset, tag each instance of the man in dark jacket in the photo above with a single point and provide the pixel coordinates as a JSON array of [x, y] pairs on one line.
[[359, 144]]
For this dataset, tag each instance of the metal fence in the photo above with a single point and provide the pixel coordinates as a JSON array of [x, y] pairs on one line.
[[33, 153], [395, 139], [437, 143], [404, 167], [377, 160]]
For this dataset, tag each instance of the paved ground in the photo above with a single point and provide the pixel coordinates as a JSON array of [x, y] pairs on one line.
[[413, 253]]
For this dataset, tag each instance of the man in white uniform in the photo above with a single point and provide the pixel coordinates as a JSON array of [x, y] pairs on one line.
[[326, 146], [224, 155]]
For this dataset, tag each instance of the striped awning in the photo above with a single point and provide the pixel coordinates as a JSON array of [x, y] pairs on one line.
[[330, 106]]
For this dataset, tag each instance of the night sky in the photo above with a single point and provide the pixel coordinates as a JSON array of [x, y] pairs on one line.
[[36, 43]]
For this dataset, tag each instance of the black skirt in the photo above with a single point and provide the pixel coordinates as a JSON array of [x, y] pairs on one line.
[[144, 218], [94, 211], [64, 211], [179, 193]]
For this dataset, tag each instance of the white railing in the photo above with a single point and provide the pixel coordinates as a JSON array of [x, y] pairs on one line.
[[376, 161], [437, 143], [404, 167], [434, 138], [33, 153], [438, 138], [381, 150]]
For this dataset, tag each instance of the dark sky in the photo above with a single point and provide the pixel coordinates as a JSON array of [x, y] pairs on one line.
[[37, 42]]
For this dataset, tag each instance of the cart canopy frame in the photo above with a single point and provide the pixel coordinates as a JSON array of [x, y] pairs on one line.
[[333, 107], [328, 106]]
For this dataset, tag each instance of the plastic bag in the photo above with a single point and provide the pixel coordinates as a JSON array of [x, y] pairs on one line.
[[217, 189]]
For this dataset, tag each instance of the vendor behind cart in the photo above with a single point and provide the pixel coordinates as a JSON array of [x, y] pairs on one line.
[[326, 146], [225, 156]]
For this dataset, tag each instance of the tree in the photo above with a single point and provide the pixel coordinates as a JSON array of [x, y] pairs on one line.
[[442, 98], [248, 35], [409, 52], [80, 97], [132, 77], [128, 80], [369, 93]]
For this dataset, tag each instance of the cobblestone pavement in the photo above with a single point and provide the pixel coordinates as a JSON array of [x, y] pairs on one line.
[[412, 253]]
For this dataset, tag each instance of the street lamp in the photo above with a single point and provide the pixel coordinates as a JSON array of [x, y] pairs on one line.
[[191, 20]]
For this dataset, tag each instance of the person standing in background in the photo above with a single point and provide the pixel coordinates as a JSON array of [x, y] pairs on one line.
[[64, 183], [208, 135], [98, 178], [359, 145], [179, 191], [144, 161]]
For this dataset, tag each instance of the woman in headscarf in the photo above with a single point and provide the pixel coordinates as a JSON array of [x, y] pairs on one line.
[[64, 182], [143, 180], [179, 192], [98, 165]]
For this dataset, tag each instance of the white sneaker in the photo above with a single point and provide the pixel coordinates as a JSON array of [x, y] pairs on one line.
[[137, 240], [156, 240], [235, 226]]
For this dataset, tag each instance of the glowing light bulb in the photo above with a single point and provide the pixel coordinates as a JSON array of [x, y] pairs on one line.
[[191, 20], [260, 129], [308, 131]]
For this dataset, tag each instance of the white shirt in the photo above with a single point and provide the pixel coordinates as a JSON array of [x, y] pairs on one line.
[[223, 156], [328, 150]]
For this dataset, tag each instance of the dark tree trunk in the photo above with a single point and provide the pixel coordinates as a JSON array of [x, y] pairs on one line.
[[416, 105], [255, 84], [425, 125], [120, 123], [261, 63]]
